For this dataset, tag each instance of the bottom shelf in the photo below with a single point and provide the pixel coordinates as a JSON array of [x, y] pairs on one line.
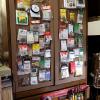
[[36, 93]]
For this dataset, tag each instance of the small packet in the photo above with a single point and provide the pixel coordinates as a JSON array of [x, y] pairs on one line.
[[47, 63], [22, 50], [33, 80], [47, 75], [63, 45], [46, 12], [36, 49], [63, 34], [64, 57], [30, 37], [42, 75], [64, 71], [36, 36], [27, 66], [22, 36], [47, 53], [42, 42]]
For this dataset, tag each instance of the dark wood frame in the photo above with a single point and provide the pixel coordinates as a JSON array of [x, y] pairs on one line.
[[57, 41], [13, 54], [30, 93]]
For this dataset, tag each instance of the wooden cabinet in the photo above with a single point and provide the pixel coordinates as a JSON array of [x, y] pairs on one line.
[[34, 82]]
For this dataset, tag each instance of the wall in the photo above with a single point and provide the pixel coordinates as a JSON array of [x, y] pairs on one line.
[[94, 28], [3, 27]]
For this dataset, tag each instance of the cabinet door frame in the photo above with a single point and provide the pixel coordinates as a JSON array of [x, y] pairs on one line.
[[57, 45], [13, 52]]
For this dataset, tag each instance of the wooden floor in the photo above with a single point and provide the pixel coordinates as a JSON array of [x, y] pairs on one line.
[[5, 93]]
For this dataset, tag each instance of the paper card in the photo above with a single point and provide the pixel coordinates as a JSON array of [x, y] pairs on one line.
[[80, 41], [80, 29], [25, 81], [35, 27], [27, 66], [29, 51], [22, 50], [63, 45], [46, 14], [20, 67], [47, 26], [77, 52], [81, 51], [47, 53], [42, 29], [46, 11], [71, 42], [47, 75], [79, 68], [81, 3], [35, 11], [35, 61], [64, 57], [30, 37], [72, 67], [36, 49], [48, 37], [34, 71], [70, 30], [35, 64], [42, 42], [42, 52], [47, 63], [70, 3], [42, 62], [64, 72], [20, 4], [25, 4], [22, 36], [42, 75], [36, 36], [34, 81], [80, 16], [63, 15], [76, 28], [63, 34], [71, 56], [72, 16], [21, 17]]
